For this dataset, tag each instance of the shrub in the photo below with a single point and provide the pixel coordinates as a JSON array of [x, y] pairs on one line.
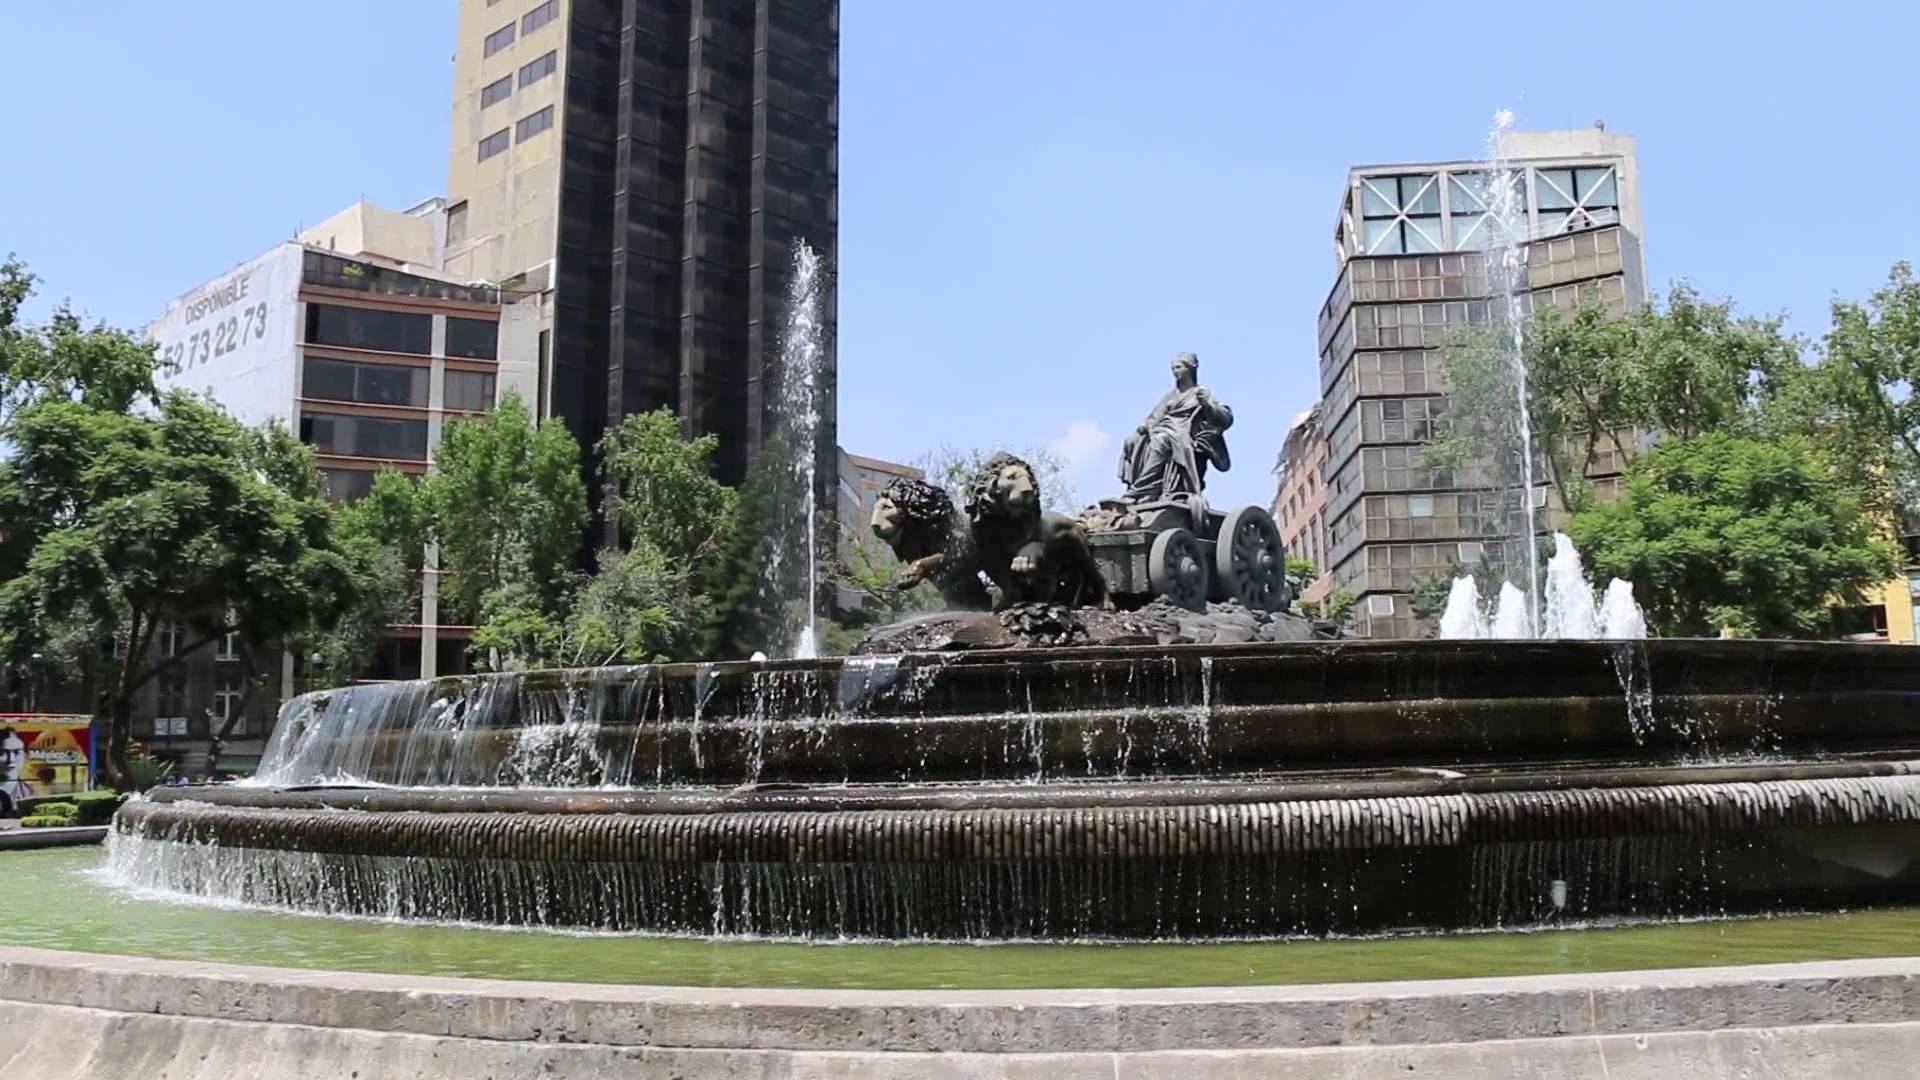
[[44, 821], [65, 811], [97, 807]]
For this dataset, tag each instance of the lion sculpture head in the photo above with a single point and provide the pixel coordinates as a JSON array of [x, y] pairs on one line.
[[1005, 488], [912, 517]]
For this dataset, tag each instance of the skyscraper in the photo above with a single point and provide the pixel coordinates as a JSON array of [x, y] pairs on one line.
[[1409, 243], [647, 166]]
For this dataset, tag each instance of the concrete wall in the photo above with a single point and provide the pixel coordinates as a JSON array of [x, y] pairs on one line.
[[67, 1016], [366, 229]]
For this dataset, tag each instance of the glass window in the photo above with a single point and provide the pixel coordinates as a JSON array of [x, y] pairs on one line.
[[530, 126], [469, 390], [499, 39], [347, 485], [539, 69], [498, 90], [539, 17], [368, 328], [493, 144], [1379, 197], [1553, 189], [457, 224], [365, 436], [376, 384], [1597, 188], [1383, 238], [474, 339], [1420, 505], [1419, 195]]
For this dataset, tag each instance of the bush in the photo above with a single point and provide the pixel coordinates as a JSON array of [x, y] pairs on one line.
[[148, 771], [97, 807], [65, 811], [45, 821]]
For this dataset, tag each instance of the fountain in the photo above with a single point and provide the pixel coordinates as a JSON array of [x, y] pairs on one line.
[[1065, 771], [802, 351], [1571, 609], [1507, 274]]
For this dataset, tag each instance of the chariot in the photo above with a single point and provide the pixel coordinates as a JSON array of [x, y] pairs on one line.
[[1189, 553]]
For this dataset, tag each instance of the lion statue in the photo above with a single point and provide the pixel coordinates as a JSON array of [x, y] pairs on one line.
[[919, 523], [1030, 556]]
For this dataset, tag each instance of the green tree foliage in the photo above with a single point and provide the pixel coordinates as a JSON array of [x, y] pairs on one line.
[[119, 521], [1723, 530], [1867, 403], [1335, 608], [674, 517], [385, 535], [508, 508], [1595, 379], [950, 468], [746, 616]]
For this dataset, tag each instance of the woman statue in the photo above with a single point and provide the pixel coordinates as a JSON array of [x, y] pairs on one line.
[[1168, 454]]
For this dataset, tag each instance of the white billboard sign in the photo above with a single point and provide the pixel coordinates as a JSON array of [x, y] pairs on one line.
[[234, 338]]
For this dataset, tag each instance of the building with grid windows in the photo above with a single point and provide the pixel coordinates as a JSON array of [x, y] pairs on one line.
[[645, 167], [1408, 246]]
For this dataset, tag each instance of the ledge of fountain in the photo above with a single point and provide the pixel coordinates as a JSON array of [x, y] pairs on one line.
[[1029, 626], [71, 1015]]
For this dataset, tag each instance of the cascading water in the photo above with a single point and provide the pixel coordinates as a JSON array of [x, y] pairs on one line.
[[1507, 275], [1571, 610], [802, 352], [1463, 619]]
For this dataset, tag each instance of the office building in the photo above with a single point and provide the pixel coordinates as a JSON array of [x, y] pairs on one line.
[[1412, 273], [348, 337], [645, 167], [1299, 506]]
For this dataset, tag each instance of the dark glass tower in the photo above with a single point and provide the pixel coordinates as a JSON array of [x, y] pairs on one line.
[[700, 142]]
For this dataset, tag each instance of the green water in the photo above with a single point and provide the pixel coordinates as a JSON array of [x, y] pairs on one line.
[[48, 899]]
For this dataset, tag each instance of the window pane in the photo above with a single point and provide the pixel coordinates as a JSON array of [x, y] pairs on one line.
[[366, 328], [1469, 232], [469, 390], [1419, 195], [495, 143], [533, 125], [1554, 188], [539, 17], [1383, 237], [1466, 193], [1377, 197], [499, 39], [498, 90], [366, 436], [475, 339], [1597, 188], [538, 69], [1552, 222], [1423, 234]]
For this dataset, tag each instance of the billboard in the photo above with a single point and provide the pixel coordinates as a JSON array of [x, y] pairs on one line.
[[44, 754], [234, 337]]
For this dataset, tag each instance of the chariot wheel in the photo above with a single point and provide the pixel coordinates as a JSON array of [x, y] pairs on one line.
[[1177, 569], [1250, 561]]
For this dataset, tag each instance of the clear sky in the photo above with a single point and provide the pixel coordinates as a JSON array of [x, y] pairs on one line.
[[1041, 200]]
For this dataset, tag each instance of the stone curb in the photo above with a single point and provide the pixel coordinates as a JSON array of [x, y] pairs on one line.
[[65, 836], [1405, 1014]]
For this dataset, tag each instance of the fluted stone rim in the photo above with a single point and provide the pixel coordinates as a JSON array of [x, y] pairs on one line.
[[1069, 833]]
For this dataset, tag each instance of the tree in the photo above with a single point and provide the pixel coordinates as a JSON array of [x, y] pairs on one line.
[[1595, 378], [1869, 371], [1720, 530], [747, 615], [950, 469], [508, 509], [384, 535], [1335, 608], [674, 517], [119, 522]]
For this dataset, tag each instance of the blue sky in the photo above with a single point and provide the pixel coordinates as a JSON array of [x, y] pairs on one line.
[[1041, 200]]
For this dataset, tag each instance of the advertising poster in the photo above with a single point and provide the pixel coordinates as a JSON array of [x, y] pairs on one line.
[[44, 754], [234, 337]]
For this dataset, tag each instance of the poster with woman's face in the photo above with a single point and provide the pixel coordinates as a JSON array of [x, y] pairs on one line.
[[45, 755]]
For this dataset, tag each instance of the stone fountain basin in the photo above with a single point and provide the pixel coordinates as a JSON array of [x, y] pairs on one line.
[[1191, 792]]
